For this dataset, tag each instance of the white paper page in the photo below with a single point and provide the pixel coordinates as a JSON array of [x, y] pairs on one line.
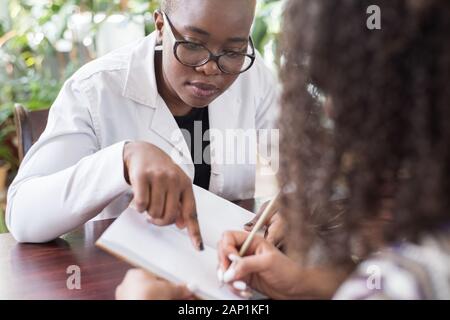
[[168, 252], [217, 215]]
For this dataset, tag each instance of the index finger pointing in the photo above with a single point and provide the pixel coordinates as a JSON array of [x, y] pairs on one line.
[[189, 213]]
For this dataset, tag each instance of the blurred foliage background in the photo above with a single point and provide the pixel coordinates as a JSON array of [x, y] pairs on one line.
[[42, 42]]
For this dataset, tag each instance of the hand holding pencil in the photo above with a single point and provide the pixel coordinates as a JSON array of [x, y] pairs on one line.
[[248, 260]]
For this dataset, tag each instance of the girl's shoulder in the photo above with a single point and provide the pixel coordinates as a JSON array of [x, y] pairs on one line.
[[403, 271]]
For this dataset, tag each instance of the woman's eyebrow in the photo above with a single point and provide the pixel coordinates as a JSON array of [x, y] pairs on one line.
[[197, 30], [238, 39], [207, 34]]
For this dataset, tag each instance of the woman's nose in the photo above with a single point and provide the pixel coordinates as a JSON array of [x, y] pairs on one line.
[[210, 69]]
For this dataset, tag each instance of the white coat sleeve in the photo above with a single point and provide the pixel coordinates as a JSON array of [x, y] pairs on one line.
[[65, 179]]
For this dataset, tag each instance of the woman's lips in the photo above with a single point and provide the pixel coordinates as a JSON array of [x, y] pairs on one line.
[[202, 90]]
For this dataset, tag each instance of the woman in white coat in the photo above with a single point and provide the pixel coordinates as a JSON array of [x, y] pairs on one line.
[[114, 132]]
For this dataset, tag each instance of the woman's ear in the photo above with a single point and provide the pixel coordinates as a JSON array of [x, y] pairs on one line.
[[159, 24]]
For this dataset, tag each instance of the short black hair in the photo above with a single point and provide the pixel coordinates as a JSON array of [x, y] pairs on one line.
[[168, 6]]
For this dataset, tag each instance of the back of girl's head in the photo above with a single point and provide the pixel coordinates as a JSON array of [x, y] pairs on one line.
[[365, 118]]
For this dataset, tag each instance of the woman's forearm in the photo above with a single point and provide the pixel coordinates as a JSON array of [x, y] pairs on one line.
[[42, 208]]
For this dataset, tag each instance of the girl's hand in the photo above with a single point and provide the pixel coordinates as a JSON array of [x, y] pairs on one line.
[[269, 271], [275, 226], [141, 285], [265, 268]]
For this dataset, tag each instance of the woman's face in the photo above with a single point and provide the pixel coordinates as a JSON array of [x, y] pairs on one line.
[[219, 26]]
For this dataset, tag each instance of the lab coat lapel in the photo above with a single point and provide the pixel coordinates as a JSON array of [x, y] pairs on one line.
[[223, 116], [163, 124]]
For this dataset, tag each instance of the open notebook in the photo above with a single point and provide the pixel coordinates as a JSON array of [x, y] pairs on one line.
[[168, 252]]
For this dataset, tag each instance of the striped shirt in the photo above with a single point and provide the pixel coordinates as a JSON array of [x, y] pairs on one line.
[[405, 271]]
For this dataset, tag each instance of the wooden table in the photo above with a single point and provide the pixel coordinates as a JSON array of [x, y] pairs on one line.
[[39, 271]]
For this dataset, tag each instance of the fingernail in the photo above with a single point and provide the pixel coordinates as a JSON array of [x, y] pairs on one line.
[[220, 274], [133, 206], [233, 257], [150, 220], [240, 285], [192, 287], [229, 274], [245, 294]]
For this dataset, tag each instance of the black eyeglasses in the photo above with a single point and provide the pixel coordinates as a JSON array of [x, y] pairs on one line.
[[193, 54]]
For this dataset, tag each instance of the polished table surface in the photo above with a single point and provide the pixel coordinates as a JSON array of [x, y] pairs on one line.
[[40, 271]]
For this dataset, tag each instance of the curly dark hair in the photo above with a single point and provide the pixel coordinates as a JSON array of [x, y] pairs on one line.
[[386, 135]]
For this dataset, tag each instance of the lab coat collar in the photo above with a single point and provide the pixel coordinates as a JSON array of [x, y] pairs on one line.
[[140, 84]]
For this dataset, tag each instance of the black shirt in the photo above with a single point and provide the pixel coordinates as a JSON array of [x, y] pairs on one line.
[[194, 125]]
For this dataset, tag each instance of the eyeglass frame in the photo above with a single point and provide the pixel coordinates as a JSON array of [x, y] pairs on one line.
[[212, 56]]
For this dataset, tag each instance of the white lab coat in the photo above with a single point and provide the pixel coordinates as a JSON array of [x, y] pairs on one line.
[[74, 172]]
